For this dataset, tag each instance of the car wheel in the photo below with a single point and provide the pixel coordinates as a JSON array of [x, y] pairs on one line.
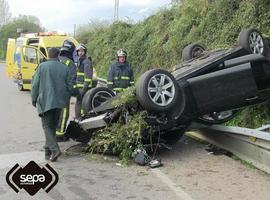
[[192, 51], [95, 97], [158, 90], [218, 117], [252, 41]]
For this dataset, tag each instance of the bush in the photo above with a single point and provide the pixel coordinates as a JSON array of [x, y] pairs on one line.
[[124, 137]]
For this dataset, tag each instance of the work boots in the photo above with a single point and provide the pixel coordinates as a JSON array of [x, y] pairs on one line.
[[54, 155], [47, 154]]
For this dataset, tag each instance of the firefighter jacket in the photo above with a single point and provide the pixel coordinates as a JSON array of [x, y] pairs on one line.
[[84, 74], [71, 67], [120, 76], [51, 86]]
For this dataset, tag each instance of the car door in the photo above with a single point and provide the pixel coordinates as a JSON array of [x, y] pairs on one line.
[[10, 62], [30, 59]]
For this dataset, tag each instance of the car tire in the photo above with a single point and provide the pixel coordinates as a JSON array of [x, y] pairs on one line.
[[192, 51], [95, 97], [157, 90], [218, 117], [252, 41]]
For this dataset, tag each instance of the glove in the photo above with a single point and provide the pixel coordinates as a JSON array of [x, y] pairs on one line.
[[34, 103]]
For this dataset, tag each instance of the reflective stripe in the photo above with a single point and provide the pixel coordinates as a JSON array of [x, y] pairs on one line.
[[74, 86], [80, 73], [63, 120], [125, 78], [131, 82], [82, 112], [67, 62], [62, 129], [109, 82], [79, 85], [58, 133], [122, 77], [88, 80]]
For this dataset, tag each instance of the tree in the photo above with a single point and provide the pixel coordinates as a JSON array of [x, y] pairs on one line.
[[30, 24], [5, 15]]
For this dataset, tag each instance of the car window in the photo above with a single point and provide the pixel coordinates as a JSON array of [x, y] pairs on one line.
[[30, 55]]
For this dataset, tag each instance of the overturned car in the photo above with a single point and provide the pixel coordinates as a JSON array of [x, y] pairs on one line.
[[208, 86]]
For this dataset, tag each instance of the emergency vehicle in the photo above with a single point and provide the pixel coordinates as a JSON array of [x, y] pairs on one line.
[[27, 51]]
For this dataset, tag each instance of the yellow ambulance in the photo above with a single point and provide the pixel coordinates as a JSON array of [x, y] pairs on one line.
[[26, 52]]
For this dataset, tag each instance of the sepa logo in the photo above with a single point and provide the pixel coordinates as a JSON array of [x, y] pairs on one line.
[[32, 178]]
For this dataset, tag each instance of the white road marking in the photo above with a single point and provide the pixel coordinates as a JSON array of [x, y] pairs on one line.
[[9, 160], [176, 188]]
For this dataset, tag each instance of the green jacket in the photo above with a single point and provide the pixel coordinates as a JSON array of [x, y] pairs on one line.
[[51, 86]]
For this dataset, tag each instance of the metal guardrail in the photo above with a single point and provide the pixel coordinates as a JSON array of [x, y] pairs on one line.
[[251, 145]]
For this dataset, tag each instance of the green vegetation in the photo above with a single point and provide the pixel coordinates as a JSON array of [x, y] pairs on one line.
[[157, 41], [30, 24], [124, 137], [252, 117], [120, 138], [247, 164]]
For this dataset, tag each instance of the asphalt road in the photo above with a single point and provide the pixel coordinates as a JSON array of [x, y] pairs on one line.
[[188, 171]]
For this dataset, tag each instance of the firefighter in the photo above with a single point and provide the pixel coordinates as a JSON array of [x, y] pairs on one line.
[[66, 57], [84, 78], [120, 73]]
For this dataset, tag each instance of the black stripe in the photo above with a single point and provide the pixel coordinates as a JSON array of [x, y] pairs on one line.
[[27, 81]]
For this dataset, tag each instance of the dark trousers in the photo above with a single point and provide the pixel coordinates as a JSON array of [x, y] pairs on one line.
[[78, 105], [78, 108], [49, 122]]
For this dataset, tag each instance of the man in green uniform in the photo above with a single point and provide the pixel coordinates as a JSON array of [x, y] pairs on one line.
[[50, 93]]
